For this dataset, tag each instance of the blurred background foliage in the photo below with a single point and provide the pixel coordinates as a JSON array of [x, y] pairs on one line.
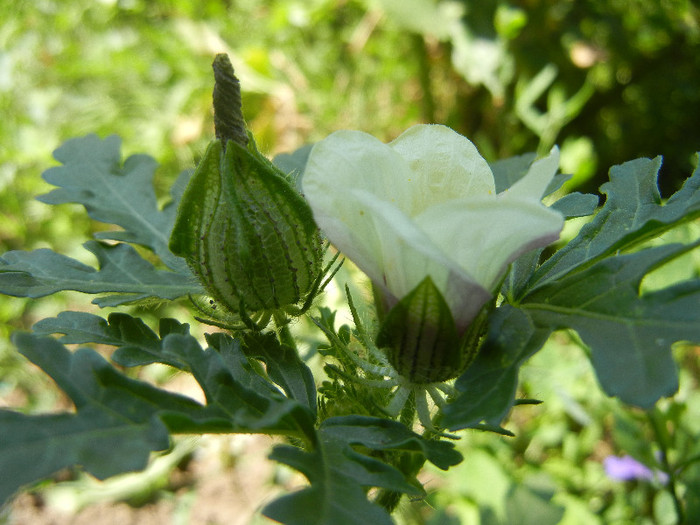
[[606, 80]]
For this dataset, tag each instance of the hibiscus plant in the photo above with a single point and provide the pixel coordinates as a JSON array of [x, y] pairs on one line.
[[467, 279]]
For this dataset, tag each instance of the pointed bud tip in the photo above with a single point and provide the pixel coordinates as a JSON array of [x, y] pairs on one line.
[[228, 108]]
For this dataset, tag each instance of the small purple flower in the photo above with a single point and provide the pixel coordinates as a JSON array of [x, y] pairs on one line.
[[626, 468]]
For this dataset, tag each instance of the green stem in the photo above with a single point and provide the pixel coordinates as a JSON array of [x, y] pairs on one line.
[[405, 462], [427, 101], [662, 438], [284, 333]]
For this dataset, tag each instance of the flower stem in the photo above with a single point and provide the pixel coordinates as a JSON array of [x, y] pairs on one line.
[[284, 334], [662, 438], [427, 101], [389, 499]]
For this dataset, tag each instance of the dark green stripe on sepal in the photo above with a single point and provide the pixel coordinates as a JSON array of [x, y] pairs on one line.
[[278, 244], [245, 231], [420, 336], [195, 215]]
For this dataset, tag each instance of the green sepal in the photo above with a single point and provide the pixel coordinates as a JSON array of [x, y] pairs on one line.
[[246, 232], [420, 336], [198, 203]]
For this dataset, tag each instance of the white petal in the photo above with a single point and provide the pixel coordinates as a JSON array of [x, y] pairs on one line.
[[406, 255], [346, 160], [444, 164], [534, 183], [357, 187], [425, 205], [484, 236], [352, 159]]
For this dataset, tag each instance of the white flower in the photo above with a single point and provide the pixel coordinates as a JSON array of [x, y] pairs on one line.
[[426, 205]]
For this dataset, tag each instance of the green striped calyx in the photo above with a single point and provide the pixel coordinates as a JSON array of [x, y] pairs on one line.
[[421, 339], [244, 230], [246, 233]]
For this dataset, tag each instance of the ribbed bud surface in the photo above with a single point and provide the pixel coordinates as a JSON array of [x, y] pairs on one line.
[[244, 230], [246, 233], [420, 337]]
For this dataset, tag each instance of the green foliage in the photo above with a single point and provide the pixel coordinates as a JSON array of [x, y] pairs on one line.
[[113, 430], [592, 285], [489, 385], [284, 367], [118, 420], [630, 335], [336, 467], [633, 213], [240, 395], [121, 194], [136, 344], [597, 289], [122, 273], [513, 78]]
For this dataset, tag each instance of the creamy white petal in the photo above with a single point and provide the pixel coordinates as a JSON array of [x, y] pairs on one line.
[[354, 184], [353, 159], [534, 183], [406, 255], [444, 164], [337, 166], [423, 205], [483, 236]]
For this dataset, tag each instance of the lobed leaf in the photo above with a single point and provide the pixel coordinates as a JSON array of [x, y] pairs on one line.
[[630, 336], [93, 175], [136, 343], [114, 429], [104, 444], [119, 421], [339, 473], [576, 205], [284, 367], [240, 368], [633, 213], [383, 434], [223, 366], [122, 273], [236, 390]]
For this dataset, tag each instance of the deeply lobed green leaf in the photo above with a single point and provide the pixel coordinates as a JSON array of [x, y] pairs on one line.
[[93, 175], [283, 366], [339, 473], [119, 421], [114, 429], [630, 335], [136, 343], [589, 287], [122, 274], [633, 213]]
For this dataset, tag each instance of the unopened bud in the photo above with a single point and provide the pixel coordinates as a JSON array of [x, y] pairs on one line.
[[245, 232]]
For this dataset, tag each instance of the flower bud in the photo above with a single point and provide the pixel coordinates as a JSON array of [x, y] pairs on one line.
[[245, 232], [421, 338]]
